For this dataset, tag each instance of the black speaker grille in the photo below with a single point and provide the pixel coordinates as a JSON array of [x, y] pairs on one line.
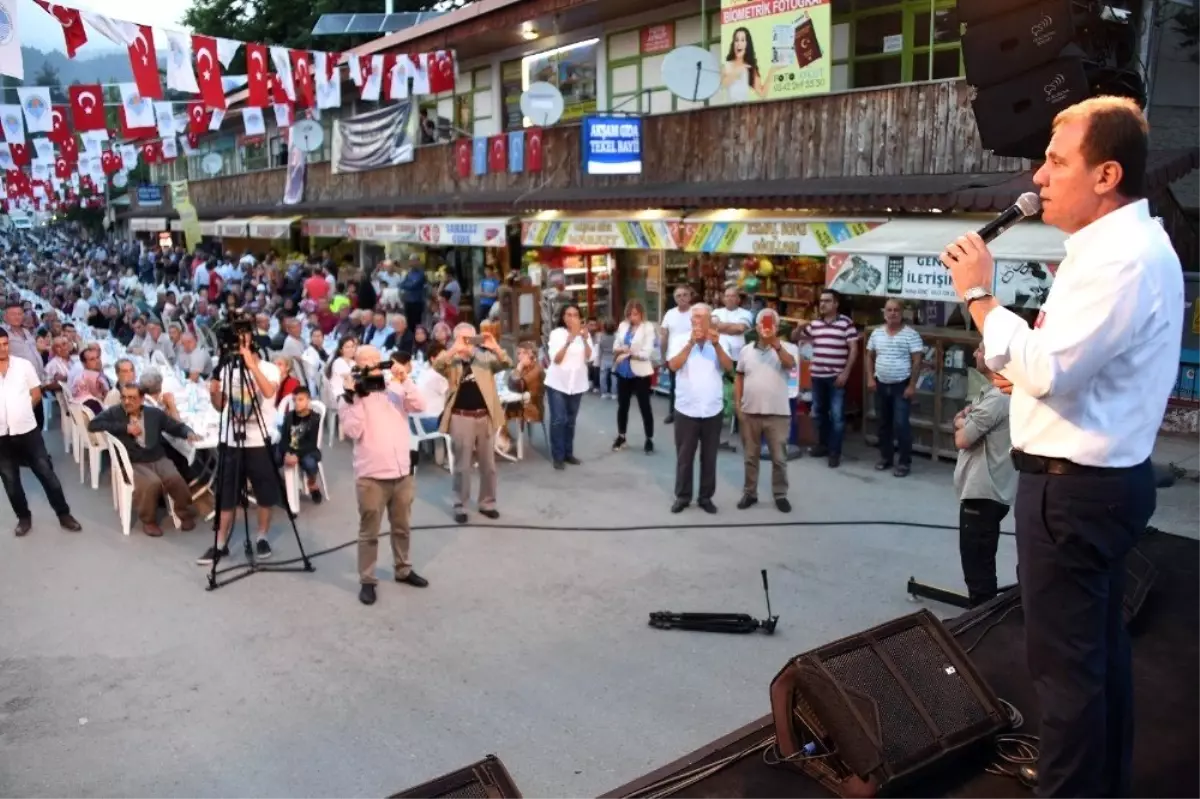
[[472, 790], [946, 696]]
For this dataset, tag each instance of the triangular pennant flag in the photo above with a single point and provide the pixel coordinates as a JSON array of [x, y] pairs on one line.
[[226, 50]]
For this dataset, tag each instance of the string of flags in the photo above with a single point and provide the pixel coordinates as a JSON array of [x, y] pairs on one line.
[[47, 138]]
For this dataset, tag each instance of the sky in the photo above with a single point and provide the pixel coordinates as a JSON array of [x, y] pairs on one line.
[[39, 29]]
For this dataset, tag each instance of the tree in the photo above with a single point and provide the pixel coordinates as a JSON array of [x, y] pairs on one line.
[[47, 76], [1187, 25]]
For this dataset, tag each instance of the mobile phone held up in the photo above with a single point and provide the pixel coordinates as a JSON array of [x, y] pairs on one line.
[[768, 325]]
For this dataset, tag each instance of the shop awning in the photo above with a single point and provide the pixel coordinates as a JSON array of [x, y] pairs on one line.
[[382, 229], [739, 232], [143, 224], [176, 225], [209, 229], [324, 228], [267, 228], [233, 228], [603, 231], [900, 259], [464, 231]]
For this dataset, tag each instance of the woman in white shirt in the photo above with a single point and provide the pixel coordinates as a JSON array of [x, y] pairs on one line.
[[570, 350], [633, 355], [341, 366], [433, 388], [314, 356]]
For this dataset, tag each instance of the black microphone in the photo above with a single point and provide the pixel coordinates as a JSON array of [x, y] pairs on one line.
[[1028, 204]]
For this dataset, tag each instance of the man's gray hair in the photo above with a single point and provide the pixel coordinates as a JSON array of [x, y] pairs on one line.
[[126, 360], [151, 382], [700, 308], [462, 327]]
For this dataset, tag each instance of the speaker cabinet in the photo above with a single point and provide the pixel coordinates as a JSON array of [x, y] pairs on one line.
[[1005, 46], [487, 779], [1015, 117], [877, 708]]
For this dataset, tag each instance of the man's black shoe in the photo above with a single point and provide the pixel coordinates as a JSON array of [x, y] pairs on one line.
[[68, 523], [23, 527], [783, 504], [573, 461], [460, 517], [679, 505], [707, 506], [413, 579], [366, 594], [746, 502], [491, 513]]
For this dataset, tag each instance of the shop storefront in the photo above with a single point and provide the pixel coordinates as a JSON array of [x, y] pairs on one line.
[[328, 238], [605, 259], [258, 235], [147, 229], [899, 260]]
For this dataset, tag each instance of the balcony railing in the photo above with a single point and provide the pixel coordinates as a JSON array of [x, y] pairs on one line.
[[915, 129]]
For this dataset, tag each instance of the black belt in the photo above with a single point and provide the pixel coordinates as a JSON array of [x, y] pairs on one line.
[[1036, 464]]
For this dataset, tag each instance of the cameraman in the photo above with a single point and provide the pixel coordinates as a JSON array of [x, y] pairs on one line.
[[249, 458], [382, 469]]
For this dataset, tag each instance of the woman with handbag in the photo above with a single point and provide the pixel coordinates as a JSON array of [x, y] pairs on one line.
[[633, 365]]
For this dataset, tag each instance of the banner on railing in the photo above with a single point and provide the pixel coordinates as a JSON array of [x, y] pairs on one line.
[[375, 140]]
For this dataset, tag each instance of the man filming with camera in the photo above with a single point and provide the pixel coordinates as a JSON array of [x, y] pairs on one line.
[[246, 419], [382, 465]]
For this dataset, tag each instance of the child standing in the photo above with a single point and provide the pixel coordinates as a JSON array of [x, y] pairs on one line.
[[604, 352], [299, 440]]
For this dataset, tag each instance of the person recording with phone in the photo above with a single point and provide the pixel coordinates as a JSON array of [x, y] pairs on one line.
[[374, 414], [760, 392], [473, 414], [247, 458]]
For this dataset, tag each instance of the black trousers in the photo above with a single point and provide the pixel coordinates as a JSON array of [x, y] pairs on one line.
[[692, 433], [978, 539], [1073, 533], [29, 450], [627, 389]]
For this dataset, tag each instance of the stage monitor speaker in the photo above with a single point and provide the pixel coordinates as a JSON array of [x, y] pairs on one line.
[[1015, 117], [1003, 47], [487, 779], [978, 10], [883, 706], [1140, 575]]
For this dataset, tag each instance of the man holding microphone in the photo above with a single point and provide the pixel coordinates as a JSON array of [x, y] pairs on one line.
[[377, 423], [1089, 383]]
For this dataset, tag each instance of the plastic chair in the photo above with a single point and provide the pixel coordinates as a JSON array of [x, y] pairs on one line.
[[122, 485], [291, 474], [419, 437], [91, 444], [66, 423]]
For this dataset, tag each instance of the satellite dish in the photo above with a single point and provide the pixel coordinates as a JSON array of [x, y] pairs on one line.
[[120, 180], [308, 135], [691, 73], [542, 103], [212, 163]]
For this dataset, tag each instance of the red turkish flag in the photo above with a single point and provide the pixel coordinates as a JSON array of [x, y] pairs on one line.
[[208, 72], [462, 157], [151, 152], [389, 72], [62, 169], [198, 118], [441, 72], [69, 149], [498, 153], [108, 162], [87, 107], [73, 31], [256, 75], [20, 154], [85, 183], [533, 149], [193, 140], [59, 131], [302, 78], [331, 64], [278, 93], [134, 133], [144, 63]]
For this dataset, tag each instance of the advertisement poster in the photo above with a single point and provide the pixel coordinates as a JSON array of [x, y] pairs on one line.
[[600, 235], [769, 237], [573, 70], [775, 49], [922, 277], [376, 139]]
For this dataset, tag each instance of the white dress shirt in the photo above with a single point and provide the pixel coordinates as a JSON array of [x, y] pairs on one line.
[[16, 403], [1092, 379], [700, 382], [570, 376]]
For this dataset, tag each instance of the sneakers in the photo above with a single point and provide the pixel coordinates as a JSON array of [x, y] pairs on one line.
[[262, 549], [649, 447], [212, 554], [619, 444]]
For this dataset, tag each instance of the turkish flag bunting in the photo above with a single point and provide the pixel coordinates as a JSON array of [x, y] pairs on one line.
[[109, 162], [133, 134], [85, 183], [20, 154], [257, 75], [441, 72], [389, 74], [462, 157], [87, 107], [193, 140], [198, 118], [498, 153], [208, 72], [13, 179], [62, 169], [144, 62], [533, 149], [69, 150], [59, 132], [302, 78], [73, 32], [277, 92], [331, 64], [150, 152]]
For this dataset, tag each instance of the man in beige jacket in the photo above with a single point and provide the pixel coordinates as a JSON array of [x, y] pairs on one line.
[[473, 414]]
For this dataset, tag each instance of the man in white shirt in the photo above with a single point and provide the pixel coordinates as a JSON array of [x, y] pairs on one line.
[[699, 364], [732, 322], [674, 332], [21, 442], [1089, 382]]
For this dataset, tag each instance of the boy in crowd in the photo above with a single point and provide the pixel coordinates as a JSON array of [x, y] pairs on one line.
[[299, 440]]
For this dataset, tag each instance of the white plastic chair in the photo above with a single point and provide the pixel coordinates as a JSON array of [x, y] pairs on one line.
[[122, 485], [65, 421], [47, 410], [419, 436], [291, 474], [91, 444]]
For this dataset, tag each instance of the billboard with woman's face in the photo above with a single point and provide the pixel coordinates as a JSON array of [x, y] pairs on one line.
[[774, 49]]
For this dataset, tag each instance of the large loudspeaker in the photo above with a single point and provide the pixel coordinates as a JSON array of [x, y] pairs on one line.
[[1014, 118], [487, 779], [880, 707], [1009, 44]]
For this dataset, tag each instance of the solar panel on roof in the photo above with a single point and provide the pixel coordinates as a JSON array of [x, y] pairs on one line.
[[332, 24], [365, 23]]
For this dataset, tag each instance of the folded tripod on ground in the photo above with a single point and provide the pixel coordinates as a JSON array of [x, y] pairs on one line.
[[740, 623]]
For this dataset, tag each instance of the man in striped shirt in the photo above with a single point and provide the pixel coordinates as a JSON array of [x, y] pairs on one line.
[[894, 354], [834, 342]]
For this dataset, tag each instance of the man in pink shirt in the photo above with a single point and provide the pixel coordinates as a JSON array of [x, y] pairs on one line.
[[382, 469]]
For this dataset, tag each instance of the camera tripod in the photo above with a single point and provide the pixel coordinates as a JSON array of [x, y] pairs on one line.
[[233, 426]]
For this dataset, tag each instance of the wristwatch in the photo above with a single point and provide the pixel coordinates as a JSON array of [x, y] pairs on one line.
[[977, 293]]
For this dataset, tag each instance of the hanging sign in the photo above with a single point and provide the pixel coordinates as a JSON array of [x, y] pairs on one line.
[[324, 228], [398, 230], [463, 232], [922, 277], [768, 237], [612, 145], [584, 234], [655, 39]]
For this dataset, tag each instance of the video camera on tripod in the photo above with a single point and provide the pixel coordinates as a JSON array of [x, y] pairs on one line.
[[229, 333]]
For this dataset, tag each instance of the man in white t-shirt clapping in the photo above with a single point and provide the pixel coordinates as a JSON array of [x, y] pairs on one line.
[[674, 332]]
